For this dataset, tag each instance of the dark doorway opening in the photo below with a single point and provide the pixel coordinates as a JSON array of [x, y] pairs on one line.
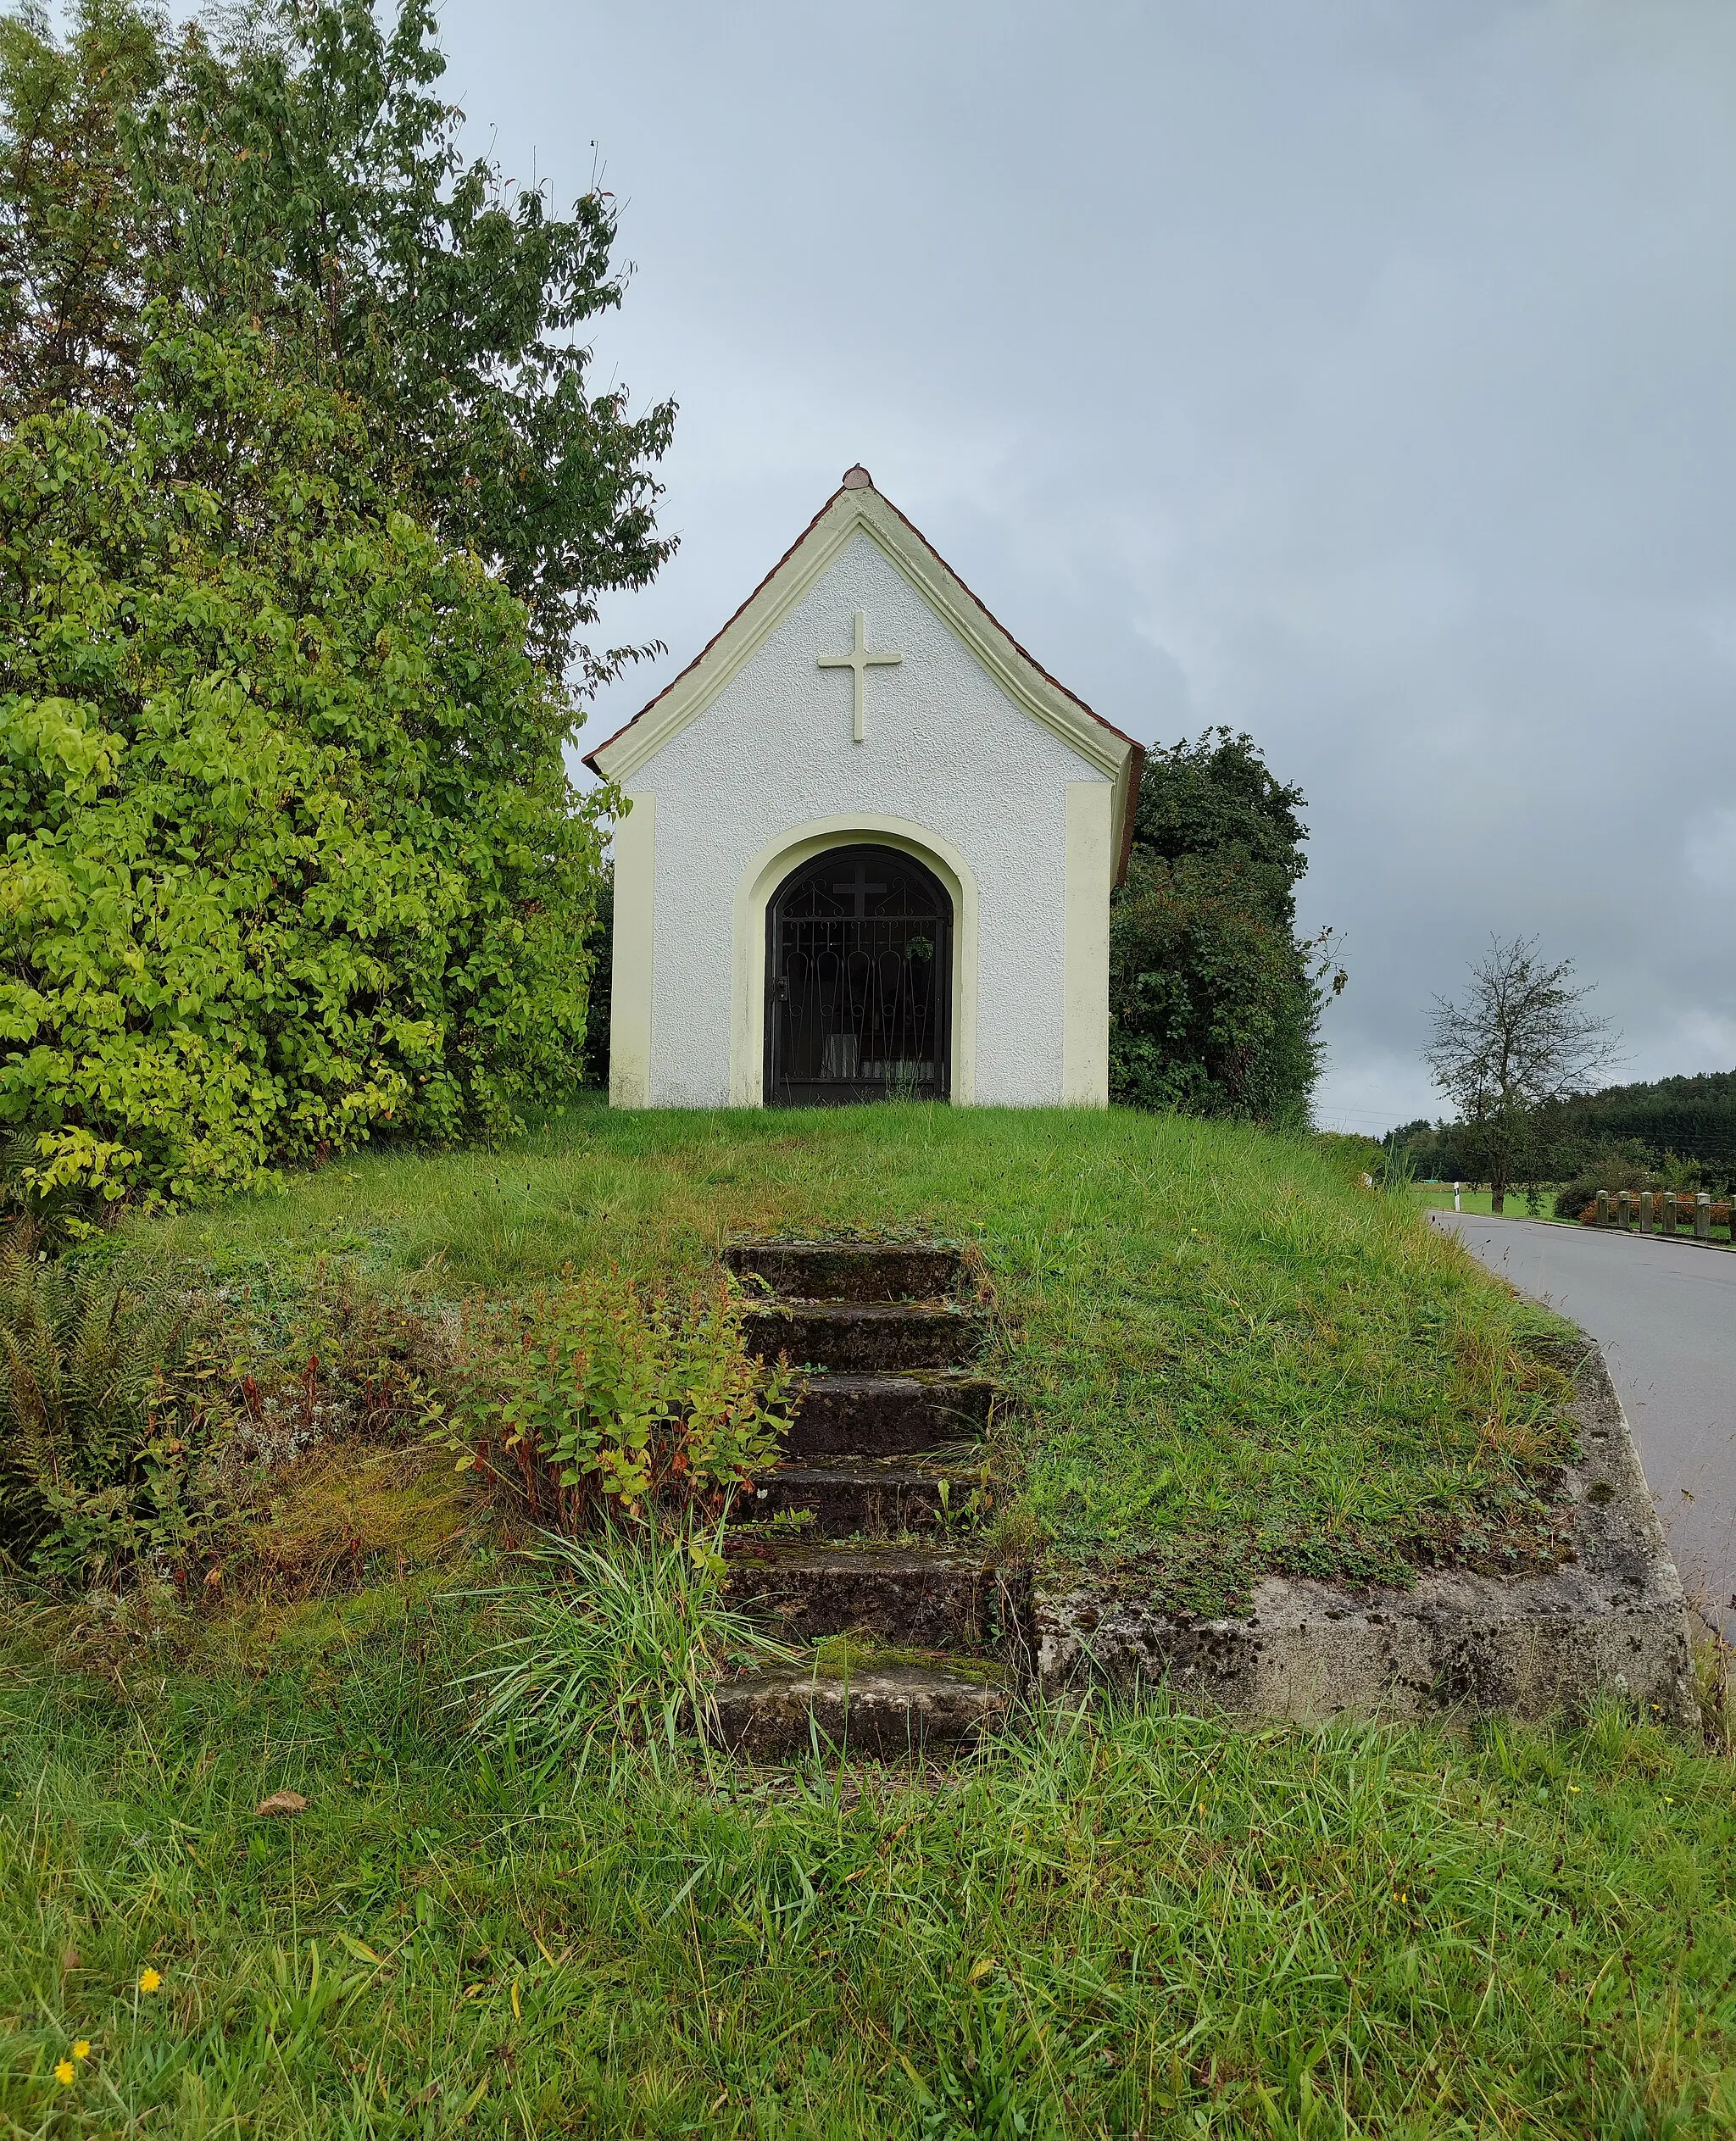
[[859, 977]]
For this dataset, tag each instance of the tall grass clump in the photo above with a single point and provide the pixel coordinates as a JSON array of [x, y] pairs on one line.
[[618, 1643]]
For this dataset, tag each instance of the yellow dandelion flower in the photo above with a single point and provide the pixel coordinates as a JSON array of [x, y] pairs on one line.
[[149, 1980], [66, 2074], [82, 2050]]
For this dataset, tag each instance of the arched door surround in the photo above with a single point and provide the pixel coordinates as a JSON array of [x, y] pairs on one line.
[[758, 885], [859, 951]]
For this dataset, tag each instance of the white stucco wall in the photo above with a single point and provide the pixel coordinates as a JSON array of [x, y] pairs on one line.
[[946, 749]]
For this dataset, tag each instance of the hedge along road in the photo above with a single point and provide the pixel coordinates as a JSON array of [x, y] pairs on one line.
[[1664, 1313]]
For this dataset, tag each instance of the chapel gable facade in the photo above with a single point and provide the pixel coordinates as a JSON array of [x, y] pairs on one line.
[[869, 847]]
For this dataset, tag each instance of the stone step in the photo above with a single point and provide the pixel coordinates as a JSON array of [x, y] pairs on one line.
[[889, 1416], [890, 1711], [848, 1270], [874, 1494], [930, 1597], [847, 1335]]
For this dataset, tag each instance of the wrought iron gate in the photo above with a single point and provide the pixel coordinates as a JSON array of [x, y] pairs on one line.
[[858, 982]]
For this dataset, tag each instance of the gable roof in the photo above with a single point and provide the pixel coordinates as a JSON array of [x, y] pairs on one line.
[[857, 506]]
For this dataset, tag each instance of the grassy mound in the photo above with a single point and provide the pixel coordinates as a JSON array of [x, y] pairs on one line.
[[1225, 1355]]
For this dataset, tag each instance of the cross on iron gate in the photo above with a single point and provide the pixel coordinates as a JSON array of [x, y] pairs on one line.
[[859, 660], [861, 888]]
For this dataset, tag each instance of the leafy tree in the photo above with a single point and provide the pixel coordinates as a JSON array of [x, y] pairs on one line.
[[1202, 989], [303, 179], [1521, 1039], [304, 506], [290, 852], [1215, 1002], [1218, 797]]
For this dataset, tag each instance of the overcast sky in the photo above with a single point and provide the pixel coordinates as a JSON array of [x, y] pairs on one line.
[[1362, 376]]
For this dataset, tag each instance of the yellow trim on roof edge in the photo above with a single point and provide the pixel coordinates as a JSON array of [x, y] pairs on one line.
[[687, 697]]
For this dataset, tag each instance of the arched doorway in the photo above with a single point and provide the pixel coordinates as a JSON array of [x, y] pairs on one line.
[[858, 982]]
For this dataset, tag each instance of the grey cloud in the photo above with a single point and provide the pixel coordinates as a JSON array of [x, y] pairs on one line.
[[1356, 374]]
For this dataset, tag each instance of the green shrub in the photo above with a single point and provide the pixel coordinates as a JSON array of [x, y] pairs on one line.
[[1213, 1009], [1356, 1155], [291, 856], [622, 1651], [113, 1414], [1215, 1002], [599, 1396], [1376, 1163], [1618, 1170]]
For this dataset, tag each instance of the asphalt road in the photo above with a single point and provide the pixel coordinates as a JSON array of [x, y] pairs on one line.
[[1664, 1313]]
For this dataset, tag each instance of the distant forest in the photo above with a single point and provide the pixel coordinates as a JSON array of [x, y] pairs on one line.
[[1648, 1125]]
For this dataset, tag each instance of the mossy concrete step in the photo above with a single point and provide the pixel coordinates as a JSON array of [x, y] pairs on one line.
[[891, 1711], [929, 1598], [848, 1270], [847, 1335], [889, 1416], [851, 1494]]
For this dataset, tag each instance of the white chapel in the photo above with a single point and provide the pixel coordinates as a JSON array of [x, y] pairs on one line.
[[869, 847]]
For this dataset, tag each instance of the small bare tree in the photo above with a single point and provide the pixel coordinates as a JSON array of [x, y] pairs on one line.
[[1522, 1037]]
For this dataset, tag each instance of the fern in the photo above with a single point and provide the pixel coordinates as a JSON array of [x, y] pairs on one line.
[[107, 1422]]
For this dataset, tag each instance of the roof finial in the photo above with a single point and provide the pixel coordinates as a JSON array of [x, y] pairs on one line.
[[858, 479]]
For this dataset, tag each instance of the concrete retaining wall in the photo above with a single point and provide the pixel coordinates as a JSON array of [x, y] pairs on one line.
[[1613, 1619]]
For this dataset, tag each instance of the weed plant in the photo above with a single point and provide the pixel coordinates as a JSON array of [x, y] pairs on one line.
[[598, 1399], [1135, 1921]]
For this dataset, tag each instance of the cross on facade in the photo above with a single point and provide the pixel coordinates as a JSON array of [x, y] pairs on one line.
[[860, 661], [861, 888]]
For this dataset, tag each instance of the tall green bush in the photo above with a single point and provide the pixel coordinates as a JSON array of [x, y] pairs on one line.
[[291, 854], [1216, 799], [305, 504], [1215, 1002], [1212, 1011]]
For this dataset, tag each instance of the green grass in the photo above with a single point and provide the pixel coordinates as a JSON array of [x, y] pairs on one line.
[[1149, 1923], [1438, 1197], [616, 1643], [1225, 1356]]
